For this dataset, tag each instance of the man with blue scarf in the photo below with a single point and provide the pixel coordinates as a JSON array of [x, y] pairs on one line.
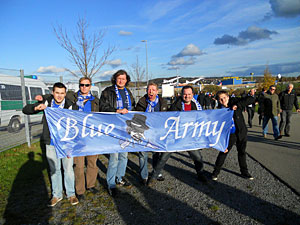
[[117, 98], [185, 102], [150, 102], [84, 101]]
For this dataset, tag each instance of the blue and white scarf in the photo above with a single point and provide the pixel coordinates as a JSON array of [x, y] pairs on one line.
[[81, 99], [119, 99], [151, 105], [198, 106], [61, 106]]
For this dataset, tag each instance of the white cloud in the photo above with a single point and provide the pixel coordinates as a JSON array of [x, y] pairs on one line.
[[285, 8], [50, 69], [108, 73], [190, 50], [125, 33], [114, 63]]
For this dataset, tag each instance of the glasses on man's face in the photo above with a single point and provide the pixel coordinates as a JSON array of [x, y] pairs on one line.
[[86, 85], [273, 89]]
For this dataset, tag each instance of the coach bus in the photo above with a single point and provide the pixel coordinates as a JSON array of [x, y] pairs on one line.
[[11, 104]]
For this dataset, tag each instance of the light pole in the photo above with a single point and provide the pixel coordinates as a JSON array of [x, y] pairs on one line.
[[146, 60]]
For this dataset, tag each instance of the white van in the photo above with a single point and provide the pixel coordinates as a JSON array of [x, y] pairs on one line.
[[11, 104], [75, 87]]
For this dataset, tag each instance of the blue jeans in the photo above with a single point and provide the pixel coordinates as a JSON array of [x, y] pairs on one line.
[[274, 124], [116, 168], [143, 159], [55, 173]]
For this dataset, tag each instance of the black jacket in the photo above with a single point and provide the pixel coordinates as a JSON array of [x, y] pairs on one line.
[[29, 110], [177, 105], [108, 100], [287, 101], [239, 122], [142, 104]]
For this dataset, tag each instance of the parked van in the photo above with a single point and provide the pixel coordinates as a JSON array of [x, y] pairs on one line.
[[11, 104], [75, 87]]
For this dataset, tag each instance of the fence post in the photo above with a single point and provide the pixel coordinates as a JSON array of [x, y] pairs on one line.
[[26, 117]]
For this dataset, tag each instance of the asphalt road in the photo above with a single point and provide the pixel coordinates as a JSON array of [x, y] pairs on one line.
[[281, 157]]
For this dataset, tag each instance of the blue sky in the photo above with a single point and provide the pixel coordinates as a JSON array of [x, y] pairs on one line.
[[189, 37]]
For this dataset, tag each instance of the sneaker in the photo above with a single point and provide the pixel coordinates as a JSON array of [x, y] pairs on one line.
[[123, 183], [287, 135], [93, 190], [73, 200], [214, 177], [278, 137], [247, 176], [160, 177], [54, 201]]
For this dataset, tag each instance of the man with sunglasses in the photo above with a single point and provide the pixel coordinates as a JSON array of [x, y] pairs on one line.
[[86, 102], [270, 109]]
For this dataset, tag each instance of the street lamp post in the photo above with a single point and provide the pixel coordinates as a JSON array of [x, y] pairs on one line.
[[146, 60]]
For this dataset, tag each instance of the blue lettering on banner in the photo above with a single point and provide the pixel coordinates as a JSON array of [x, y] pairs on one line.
[[76, 133]]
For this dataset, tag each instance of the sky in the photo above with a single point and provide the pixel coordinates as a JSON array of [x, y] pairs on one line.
[[189, 38]]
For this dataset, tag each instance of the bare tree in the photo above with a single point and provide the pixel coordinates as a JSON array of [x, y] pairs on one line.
[[83, 48], [137, 72]]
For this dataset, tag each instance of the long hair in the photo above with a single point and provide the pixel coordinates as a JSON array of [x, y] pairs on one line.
[[118, 73]]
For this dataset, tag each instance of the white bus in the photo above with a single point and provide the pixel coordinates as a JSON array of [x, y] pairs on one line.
[[11, 104]]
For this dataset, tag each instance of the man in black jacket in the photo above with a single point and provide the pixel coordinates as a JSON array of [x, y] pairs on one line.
[[150, 102], [288, 99], [117, 98], [56, 100], [186, 102]]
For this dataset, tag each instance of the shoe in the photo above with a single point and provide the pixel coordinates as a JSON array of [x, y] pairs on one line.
[[54, 201], [73, 200], [80, 197], [287, 135], [278, 137], [93, 190], [123, 183], [247, 176], [250, 126], [202, 178], [112, 192], [160, 177], [144, 182], [214, 177]]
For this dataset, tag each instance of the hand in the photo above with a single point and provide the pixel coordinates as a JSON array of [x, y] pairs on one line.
[[278, 115], [38, 98], [234, 107], [40, 107], [298, 110], [281, 110], [122, 111], [226, 150]]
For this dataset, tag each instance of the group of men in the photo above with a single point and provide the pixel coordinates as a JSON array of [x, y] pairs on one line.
[[118, 98], [271, 106]]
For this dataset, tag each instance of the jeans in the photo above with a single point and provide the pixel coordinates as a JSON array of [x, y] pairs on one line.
[[274, 123], [55, 173], [116, 168], [285, 121], [143, 160]]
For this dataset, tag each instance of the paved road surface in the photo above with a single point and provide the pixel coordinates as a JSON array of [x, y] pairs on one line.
[[281, 157]]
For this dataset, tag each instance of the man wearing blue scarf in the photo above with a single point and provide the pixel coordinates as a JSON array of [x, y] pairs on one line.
[[117, 98], [151, 102], [84, 101]]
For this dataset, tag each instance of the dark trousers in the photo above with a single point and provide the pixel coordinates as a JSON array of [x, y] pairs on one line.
[[285, 121], [241, 149], [250, 111]]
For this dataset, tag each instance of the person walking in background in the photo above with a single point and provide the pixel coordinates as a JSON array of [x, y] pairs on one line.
[[150, 102], [117, 98], [200, 99], [271, 109], [86, 102], [238, 133], [250, 109], [56, 100], [288, 99], [260, 102]]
